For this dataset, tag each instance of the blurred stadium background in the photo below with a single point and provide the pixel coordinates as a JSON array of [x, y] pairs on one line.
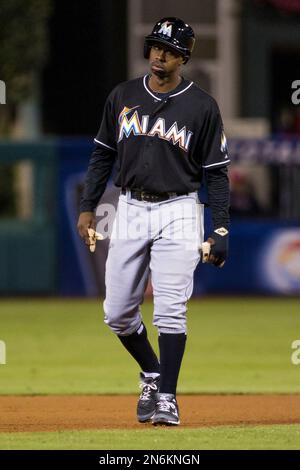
[[59, 60]]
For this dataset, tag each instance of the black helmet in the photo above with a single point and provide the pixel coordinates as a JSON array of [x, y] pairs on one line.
[[174, 33]]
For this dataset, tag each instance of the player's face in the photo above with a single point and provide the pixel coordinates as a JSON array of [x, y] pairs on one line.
[[164, 60]]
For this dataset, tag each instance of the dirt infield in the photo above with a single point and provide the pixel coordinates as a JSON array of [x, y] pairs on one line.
[[57, 413]]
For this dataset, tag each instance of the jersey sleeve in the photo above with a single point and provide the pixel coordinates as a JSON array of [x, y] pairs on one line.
[[214, 148], [106, 136]]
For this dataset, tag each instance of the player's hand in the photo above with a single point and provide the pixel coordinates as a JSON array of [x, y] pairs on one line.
[[93, 237], [86, 229], [215, 249]]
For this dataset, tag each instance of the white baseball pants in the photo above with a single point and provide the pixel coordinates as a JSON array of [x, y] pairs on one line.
[[161, 239]]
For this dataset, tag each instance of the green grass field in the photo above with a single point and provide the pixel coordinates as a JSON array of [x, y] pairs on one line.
[[234, 346], [218, 438]]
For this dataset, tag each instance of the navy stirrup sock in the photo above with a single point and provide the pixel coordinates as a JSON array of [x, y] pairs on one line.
[[171, 348], [137, 344]]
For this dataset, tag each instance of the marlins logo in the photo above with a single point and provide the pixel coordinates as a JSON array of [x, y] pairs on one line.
[[166, 29], [139, 126]]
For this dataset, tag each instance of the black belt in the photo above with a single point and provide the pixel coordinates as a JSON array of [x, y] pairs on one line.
[[151, 197]]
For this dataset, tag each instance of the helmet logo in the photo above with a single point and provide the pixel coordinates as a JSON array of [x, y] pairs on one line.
[[166, 29]]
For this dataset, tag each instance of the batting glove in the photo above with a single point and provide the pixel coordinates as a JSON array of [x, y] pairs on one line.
[[93, 237], [215, 249]]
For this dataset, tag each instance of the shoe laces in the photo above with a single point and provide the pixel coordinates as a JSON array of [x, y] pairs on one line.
[[147, 389], [166, 405]]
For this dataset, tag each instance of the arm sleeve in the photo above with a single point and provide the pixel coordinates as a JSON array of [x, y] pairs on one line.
[[213, 140], [218, 196], [102, 159], [99, 170], [106, 136]]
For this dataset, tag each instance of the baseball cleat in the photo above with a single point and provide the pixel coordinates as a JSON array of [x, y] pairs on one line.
[[166, 410], [147, 399]]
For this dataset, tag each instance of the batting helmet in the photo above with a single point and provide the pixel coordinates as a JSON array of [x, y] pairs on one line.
[[174, 33]]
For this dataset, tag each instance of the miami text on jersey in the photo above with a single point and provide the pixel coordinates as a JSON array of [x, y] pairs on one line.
[[137, 126]]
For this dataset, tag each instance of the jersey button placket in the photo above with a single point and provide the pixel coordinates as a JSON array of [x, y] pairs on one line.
[[149, 144]]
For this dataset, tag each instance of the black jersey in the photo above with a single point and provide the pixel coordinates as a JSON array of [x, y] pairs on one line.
[[162, 144]]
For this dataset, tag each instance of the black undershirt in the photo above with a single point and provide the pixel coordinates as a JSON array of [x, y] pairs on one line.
[[218, 196], [165, 94]]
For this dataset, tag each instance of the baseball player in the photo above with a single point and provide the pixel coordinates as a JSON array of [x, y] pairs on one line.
[[164, 135]]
